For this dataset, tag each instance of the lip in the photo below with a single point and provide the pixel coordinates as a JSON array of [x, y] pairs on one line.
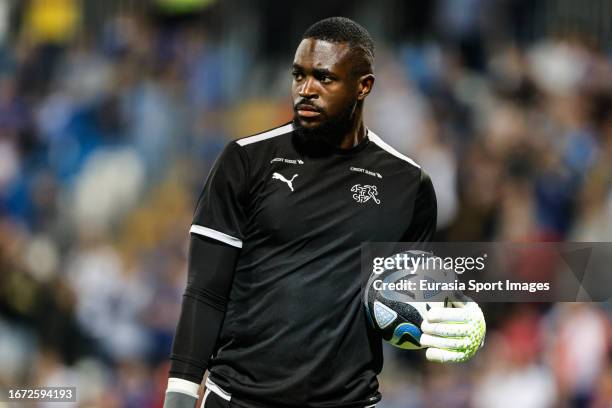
[[308, 113]]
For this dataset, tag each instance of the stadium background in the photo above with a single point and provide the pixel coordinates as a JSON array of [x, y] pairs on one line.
[[111, 113]]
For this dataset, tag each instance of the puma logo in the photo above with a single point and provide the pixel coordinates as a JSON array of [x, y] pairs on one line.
[[278, 176]]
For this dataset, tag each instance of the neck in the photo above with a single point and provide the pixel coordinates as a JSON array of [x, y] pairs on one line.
[[354, 136]]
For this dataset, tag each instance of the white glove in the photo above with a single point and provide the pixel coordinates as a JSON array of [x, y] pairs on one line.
[[453, 334]]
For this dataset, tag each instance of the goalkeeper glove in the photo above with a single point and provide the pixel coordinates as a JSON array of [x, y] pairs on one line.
[[453, 334]]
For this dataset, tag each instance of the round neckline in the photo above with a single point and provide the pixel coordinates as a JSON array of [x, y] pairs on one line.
[[323, 149]]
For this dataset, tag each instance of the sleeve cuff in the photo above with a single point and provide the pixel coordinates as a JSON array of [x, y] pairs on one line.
[[216, 235], [183, 387]]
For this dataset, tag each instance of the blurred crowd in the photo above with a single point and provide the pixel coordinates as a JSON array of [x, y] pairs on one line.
[[108, 126]]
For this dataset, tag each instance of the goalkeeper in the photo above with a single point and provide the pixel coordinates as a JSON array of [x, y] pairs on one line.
[[272, 307]]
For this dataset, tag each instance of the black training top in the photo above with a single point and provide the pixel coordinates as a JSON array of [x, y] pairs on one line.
[[294, 332]]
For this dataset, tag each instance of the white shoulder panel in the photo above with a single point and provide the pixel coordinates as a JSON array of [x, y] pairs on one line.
[[266, 135], [383, 145]]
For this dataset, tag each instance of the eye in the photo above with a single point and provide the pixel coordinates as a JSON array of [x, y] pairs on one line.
[[324, 77], [298, 76]]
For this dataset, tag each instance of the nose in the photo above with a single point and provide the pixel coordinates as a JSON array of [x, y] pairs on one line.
[[307, 90]]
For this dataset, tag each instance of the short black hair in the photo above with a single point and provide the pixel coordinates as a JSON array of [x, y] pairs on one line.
[[345, 30]]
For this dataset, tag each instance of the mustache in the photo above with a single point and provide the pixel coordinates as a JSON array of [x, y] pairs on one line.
[[308, 106]]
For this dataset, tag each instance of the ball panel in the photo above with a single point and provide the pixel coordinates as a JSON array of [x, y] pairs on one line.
[[407, 336], [383, 314]]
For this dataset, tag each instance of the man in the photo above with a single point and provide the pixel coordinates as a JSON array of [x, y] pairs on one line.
[[272, 307]]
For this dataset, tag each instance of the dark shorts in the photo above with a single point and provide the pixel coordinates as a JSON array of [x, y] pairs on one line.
[[215, 397], [212, 400]]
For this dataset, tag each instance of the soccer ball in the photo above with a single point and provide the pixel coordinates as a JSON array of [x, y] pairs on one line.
[[395, 310]]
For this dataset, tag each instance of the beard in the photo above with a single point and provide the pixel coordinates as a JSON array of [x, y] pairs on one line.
[[329, 133]]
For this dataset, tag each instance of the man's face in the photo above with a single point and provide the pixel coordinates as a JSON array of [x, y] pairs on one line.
[[324, 88]]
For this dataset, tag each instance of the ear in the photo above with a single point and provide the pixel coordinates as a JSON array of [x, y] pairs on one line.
[[364, 86]]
